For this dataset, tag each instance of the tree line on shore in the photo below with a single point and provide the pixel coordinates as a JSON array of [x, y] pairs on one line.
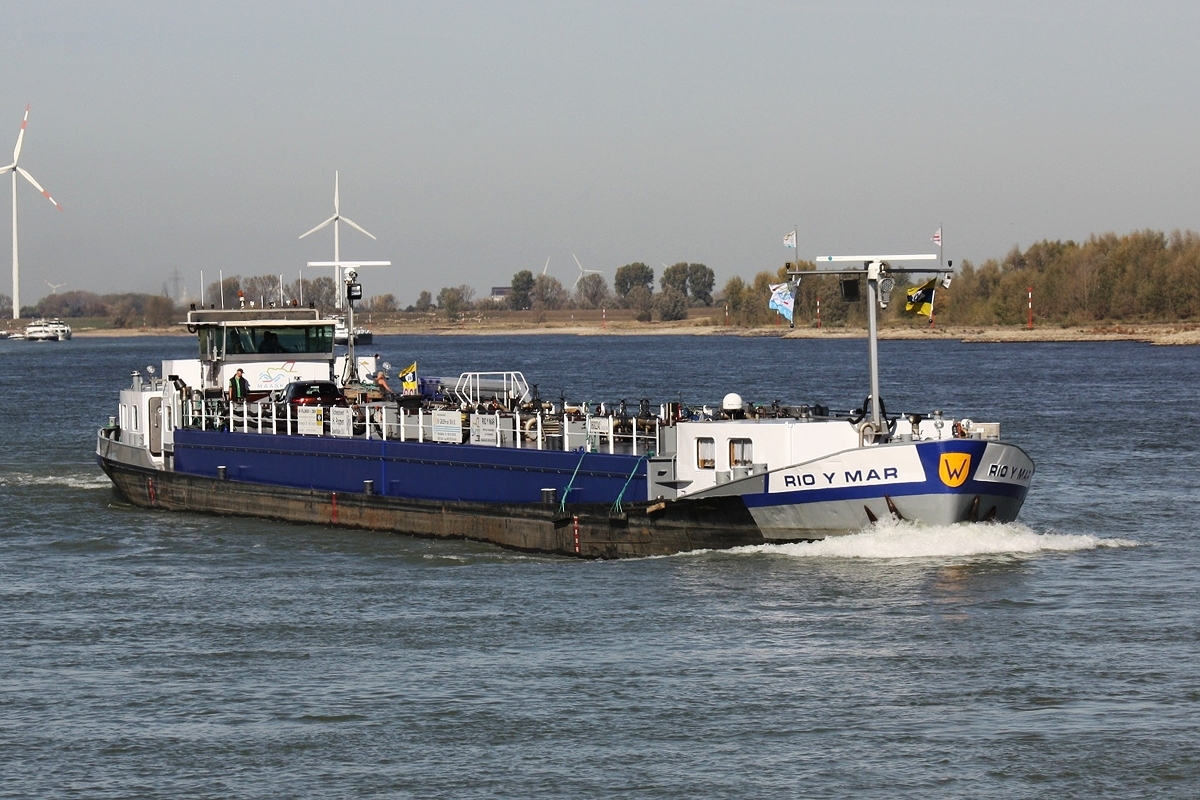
[[1144, 276]]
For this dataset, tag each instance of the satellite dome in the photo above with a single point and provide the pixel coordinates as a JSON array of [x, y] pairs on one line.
[[731, 402]]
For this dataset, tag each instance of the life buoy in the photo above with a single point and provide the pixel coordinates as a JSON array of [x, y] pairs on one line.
[[530, 427]]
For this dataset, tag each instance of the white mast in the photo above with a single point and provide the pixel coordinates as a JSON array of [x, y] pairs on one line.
[[351, 371], [879, 290]]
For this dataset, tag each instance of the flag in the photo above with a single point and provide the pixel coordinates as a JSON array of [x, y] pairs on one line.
[[920, 299], [937, 237], [782, 300], [790, 239], [408, 379]]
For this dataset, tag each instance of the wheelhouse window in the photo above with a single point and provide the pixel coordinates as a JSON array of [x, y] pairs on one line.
[[741, 452], [271, 340], [706, 453]]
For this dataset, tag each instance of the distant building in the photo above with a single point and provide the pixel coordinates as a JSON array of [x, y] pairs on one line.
[[500, 293]]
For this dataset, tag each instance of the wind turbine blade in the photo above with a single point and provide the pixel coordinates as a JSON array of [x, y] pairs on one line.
[[322, 225], [355, 225], [9, 168], [546, 267], [37, 186], [577, 261], [336, 202], [21, 136]]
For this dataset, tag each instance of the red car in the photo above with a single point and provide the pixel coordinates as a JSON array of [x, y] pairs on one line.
[[309, 393]]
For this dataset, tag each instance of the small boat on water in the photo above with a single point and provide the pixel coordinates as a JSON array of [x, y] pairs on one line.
[[341, 333], [482, 456], [47, 330]]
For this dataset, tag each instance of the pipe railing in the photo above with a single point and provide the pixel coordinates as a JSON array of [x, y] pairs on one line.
[[595, 433]]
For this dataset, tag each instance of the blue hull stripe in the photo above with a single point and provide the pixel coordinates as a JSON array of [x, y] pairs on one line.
[[410, 469]]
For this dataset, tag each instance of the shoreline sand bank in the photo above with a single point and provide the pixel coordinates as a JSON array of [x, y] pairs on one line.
[[1160, 334]]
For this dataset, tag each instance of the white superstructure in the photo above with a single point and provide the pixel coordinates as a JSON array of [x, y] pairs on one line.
[[47, 330]]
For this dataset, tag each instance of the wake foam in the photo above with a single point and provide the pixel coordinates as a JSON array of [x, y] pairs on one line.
[[912, 540], [87, 480]]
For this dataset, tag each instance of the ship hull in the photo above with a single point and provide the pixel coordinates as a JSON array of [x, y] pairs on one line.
[[588, 531], [497, 495]]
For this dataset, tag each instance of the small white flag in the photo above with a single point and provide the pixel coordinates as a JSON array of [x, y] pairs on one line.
[[937, 237], [790, 239]]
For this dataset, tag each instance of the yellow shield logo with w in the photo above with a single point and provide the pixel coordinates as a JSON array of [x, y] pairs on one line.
[[954, 468]]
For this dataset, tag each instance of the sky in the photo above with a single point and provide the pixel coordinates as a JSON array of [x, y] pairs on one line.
[[476, 139]]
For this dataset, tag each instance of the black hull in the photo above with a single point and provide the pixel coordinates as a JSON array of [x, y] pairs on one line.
[[644, 529]]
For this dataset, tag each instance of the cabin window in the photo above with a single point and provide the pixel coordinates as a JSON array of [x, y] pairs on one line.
[[133, 425], [741, 452], [239, 340], [272, 340], [706, 453]]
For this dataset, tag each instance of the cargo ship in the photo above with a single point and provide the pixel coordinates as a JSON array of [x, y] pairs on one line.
[[481, 456]]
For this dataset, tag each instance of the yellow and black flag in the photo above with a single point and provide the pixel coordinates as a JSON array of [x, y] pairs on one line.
[[408, 379], [920, 299]]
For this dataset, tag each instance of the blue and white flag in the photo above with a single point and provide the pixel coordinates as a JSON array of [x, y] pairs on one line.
[[782, 300], [790, 239]]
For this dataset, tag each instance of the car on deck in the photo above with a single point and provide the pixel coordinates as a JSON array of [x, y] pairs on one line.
[[308, 394]]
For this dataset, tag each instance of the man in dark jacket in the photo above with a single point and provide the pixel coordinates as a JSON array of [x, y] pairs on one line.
[[239, 387]]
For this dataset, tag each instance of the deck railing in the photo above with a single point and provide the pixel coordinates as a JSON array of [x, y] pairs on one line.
[[607, 433]]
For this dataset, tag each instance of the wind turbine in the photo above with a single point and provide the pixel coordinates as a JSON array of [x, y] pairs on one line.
[[54, 287], [14, 169], [337, 253], [582, 271], [547, 265]]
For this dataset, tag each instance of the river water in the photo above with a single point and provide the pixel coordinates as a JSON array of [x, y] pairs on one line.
[[150, 654]]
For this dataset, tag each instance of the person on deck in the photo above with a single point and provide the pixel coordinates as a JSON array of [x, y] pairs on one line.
[[239, 387], [381, 382]]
